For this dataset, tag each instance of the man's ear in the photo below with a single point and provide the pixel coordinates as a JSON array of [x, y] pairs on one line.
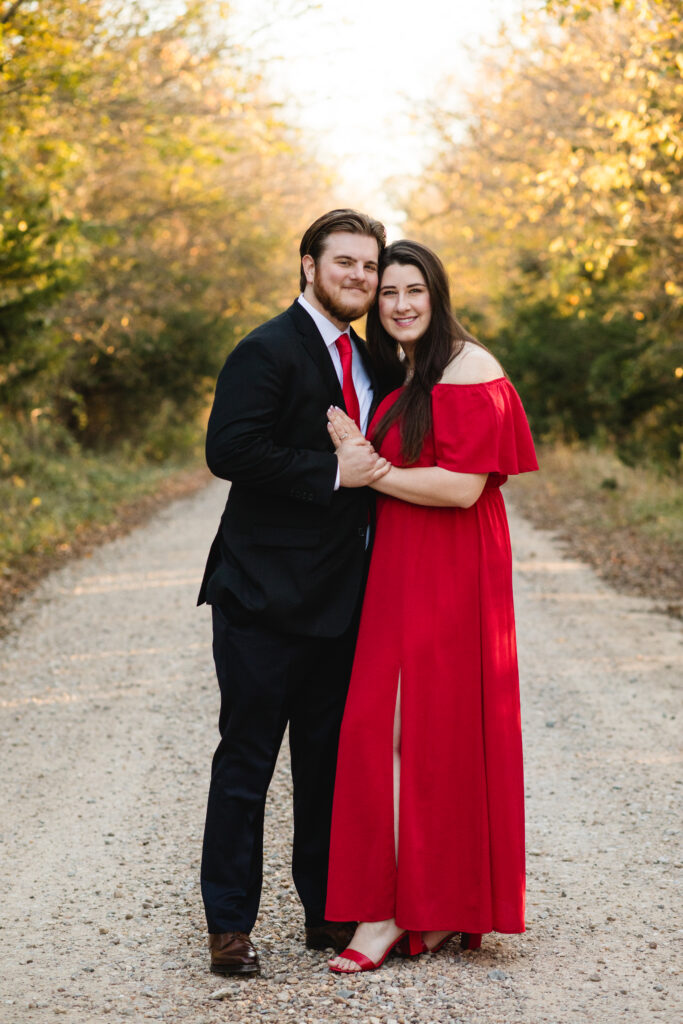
[[308, 264]]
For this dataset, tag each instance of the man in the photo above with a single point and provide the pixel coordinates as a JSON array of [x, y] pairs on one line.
[[284, 577]]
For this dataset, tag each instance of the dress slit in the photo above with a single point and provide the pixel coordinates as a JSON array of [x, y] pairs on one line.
[[396, 798]]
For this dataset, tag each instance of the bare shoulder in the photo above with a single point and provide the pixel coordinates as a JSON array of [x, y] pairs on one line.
[[474, 365]]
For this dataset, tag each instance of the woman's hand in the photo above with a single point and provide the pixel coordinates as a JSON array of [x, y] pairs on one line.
[[342, 428], [359, 463]]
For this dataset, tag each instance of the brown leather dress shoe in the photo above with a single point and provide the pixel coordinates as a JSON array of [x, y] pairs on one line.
[[233, 953], [330, 934]]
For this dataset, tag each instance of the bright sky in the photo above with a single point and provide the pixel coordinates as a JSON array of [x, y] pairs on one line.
[[361, 69]]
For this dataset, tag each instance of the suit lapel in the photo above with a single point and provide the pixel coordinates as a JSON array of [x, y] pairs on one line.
[[312, 341]]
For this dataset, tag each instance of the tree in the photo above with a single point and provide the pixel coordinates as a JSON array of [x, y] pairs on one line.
[[151, 202], [557, 198]]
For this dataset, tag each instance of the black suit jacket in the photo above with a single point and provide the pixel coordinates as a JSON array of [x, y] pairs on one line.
[[290, 549]]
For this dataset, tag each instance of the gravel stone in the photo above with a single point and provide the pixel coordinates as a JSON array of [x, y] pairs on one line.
[[221, 993], [108, 711]]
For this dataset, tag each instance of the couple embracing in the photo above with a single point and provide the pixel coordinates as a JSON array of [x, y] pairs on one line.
[[361, 593]]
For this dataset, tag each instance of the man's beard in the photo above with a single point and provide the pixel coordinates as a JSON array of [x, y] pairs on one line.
[[345, 313]]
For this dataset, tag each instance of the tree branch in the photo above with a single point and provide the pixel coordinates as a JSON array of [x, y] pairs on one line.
[[11, 11]]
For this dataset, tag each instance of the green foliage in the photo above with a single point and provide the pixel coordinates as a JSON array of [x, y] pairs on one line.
[[556, 362], [589, 378], [117, 393]]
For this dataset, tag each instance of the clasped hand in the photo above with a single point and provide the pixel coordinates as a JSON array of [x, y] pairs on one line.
[[359, 463]]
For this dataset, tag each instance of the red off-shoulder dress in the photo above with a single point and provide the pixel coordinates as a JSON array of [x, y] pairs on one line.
[[438, 613]]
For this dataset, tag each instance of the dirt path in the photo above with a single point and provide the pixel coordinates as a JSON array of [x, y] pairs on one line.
[[108, 707]]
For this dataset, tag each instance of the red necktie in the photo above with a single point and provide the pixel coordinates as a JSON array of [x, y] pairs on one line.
[[345, 351]]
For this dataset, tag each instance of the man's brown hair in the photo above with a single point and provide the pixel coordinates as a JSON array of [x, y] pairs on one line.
[[313, 241]]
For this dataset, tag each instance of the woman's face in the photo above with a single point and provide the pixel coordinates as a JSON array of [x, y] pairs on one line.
[[405, 308]]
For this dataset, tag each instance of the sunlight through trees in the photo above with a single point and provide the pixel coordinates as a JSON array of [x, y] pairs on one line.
[[556, 201]]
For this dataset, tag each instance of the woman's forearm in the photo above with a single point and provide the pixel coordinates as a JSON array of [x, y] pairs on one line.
[[432, 485]]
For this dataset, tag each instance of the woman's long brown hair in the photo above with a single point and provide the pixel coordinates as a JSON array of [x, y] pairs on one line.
[[441, 342]]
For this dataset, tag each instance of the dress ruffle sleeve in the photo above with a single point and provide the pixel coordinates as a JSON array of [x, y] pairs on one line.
[[481, 428]]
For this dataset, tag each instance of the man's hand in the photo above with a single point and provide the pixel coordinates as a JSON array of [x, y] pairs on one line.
[[359, 463]]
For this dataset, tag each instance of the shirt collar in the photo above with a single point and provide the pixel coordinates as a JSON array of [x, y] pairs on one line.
[[330, 332]]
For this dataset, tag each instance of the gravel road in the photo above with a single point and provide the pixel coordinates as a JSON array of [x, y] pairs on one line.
[[108, 706]]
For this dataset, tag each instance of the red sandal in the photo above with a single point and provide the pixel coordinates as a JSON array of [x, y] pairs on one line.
[[366, 964]]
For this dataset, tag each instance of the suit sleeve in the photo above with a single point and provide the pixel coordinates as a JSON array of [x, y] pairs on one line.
[[239, 443]]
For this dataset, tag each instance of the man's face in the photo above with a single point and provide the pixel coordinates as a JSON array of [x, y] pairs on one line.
[[344, 280]]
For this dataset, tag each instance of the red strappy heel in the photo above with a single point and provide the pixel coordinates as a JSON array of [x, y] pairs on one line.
[[364, 962], [470, 940], [412, 944]]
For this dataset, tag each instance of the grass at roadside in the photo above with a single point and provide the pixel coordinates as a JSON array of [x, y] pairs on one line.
[[57, 501], [626, 522]]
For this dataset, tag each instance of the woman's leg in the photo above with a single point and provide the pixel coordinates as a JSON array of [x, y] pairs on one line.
[[374, 937]]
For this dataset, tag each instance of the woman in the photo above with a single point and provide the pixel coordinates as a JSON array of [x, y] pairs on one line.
[[428, 821]]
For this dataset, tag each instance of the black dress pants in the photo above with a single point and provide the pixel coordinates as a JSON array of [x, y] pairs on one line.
[[268, 679]]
